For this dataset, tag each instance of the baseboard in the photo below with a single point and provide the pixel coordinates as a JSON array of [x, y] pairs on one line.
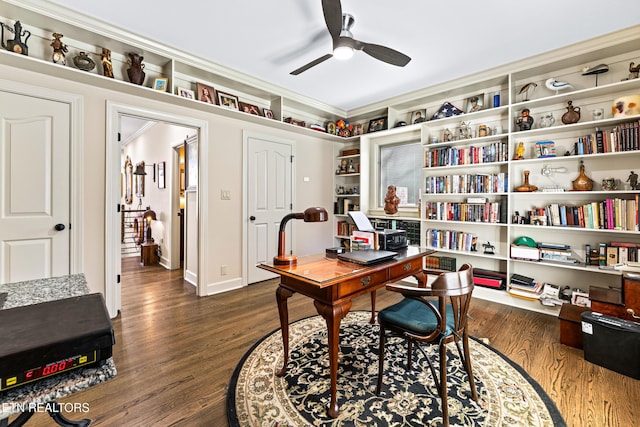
[[227, 285]]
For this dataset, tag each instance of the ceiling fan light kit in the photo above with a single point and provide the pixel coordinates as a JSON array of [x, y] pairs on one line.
[[339, 26]]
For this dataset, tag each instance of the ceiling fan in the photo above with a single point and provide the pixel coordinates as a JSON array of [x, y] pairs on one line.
[[344, 44]]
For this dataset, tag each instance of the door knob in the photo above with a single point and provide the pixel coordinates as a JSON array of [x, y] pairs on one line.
[[59, 227], [252, 218]]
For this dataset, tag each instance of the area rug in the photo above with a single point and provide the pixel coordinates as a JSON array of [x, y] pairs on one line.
[[257, 397]]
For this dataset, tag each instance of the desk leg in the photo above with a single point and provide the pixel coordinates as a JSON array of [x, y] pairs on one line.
[[422, 279], [282, 295], [373, 308], [333, 315]]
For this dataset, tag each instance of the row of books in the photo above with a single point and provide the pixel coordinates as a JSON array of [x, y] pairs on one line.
[[524, 287], [441, 263], [623, 137], [616, 252], [345, 228], [453, 156], [608, 214], [451, 239], [467, 184], [466, 212]]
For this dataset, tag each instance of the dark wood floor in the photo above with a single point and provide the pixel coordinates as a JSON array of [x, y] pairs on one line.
[[175, 354]]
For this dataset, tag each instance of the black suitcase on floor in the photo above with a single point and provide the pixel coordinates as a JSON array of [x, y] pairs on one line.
[[612, 342]]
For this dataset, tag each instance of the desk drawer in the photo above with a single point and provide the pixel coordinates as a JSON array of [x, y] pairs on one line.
[[408, 267], [354, 285]]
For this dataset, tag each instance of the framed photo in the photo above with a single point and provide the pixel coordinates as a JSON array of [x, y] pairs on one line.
[[331, 128], [418, 116], [545, 149], [161, 84], [377, 124], [474, 103], [249, 108], [205, 93], [358, 129], [162, 183], [268, 113], [186, 93], [227, 100]]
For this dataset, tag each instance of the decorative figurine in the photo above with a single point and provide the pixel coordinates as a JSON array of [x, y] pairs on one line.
[[526, 187], [16, 44], [582, 182], [555, 85], [597, 69], [350, 167], [525, 121], [446, 135], [634, 70], [84, 62], [547, 120], [524, 90], [391, 201], [59, 49], [572, 115], [107, 67], [488, 248], [519, 154], [483, 131], [633, 180], [136, 67], [474, 242]]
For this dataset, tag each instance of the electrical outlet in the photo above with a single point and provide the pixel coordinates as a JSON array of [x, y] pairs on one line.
[[225, 194], [224, 270]]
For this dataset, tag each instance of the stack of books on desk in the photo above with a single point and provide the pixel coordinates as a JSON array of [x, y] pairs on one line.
[[525, 287]]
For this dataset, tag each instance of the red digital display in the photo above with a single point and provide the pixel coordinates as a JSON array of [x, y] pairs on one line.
[[48, 370]]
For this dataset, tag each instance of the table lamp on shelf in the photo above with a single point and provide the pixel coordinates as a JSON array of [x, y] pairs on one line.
[[309, 215]]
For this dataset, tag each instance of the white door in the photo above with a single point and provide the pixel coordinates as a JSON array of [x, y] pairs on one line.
[[35, 188], [269, 199]]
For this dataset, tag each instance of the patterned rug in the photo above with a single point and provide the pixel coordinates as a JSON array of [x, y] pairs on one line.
[[257, 397]]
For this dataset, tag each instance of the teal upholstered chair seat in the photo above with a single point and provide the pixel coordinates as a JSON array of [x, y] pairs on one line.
[[435, 315], [415, 316]]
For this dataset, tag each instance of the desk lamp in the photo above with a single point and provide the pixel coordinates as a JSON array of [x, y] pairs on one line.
[[309, 215]]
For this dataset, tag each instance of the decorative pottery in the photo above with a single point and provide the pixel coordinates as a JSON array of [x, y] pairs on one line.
[[16, 44], [582, 182], [572, 115], [626, 106], [526, 187], [547, 120], [135, 70], [84, 62]]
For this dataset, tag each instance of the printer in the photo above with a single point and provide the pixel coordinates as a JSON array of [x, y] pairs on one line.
[[388, 240]]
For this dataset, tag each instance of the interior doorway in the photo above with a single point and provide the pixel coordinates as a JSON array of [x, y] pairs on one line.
[[170, 218]]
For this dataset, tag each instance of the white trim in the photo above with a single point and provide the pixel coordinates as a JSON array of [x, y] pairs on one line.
[[112, 193], [76, 154]]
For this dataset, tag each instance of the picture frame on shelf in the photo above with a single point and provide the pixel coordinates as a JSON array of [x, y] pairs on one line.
[[161, 84], [205, 93], [545, 149], [185, 93], [249, 108], [331, 128], [162, 183], [474, 103], [358, 129], [419, 116], [227, 100], [378, 124], [268, 113]]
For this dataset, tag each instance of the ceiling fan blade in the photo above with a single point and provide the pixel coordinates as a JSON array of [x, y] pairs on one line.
[[386, 54], [332, 10], [311, 64]]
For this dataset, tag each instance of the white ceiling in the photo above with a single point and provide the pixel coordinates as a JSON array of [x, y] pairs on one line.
[[269, 39]]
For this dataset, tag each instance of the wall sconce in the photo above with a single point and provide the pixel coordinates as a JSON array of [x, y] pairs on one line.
[[547, 171], [309, 215], [140, 170]]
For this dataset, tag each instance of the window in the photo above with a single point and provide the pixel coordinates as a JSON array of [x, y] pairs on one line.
[[401, 165]]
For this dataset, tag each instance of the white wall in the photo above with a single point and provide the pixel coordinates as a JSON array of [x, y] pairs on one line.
[[223, 245]]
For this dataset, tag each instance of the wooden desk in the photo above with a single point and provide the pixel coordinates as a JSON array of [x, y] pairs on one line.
[[333, 284]]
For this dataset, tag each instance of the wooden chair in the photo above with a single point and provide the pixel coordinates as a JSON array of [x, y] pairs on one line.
[[418, 320]]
